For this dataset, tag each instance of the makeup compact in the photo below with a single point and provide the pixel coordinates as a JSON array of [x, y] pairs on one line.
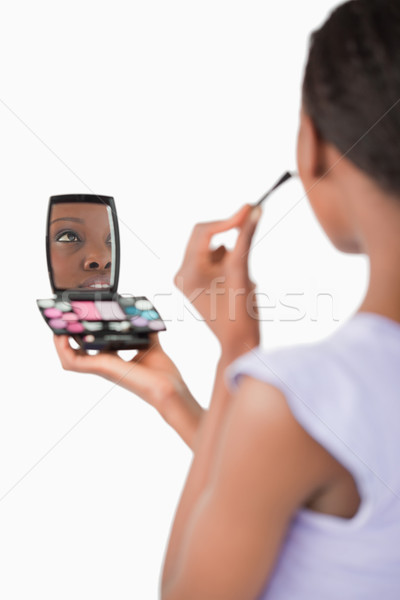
[[83, 257]]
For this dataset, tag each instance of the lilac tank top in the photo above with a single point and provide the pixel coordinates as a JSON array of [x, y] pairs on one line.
[[345, 392]]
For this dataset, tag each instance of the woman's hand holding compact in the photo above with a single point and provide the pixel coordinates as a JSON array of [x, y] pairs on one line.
[[150, 374], [217, 282]]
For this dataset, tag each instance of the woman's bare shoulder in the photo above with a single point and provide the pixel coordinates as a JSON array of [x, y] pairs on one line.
[[260, 410]]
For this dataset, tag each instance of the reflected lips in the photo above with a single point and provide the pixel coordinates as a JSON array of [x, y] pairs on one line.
[[97, 282]]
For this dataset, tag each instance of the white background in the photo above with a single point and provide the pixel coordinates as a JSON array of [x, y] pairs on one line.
[[182, 111]]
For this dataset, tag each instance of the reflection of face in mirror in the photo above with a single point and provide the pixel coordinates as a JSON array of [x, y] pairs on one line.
[[80, 245]]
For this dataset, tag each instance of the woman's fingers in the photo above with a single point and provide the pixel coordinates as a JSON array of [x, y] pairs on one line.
[[203, 232], [150, 374], [198, 254], [79, 360], [70, 359], [241, 251], [218, 254], [128, 374]]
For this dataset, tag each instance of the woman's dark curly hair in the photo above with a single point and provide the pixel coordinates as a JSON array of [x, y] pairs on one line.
[[351, 87]]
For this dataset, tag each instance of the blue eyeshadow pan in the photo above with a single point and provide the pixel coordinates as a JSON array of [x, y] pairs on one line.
[[132, 310], [150, 314]]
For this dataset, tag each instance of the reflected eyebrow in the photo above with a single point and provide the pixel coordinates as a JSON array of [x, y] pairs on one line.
[[75, 219]]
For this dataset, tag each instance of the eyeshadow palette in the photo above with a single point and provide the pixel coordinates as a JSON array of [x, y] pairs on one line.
[[83, 253], [103, 324]]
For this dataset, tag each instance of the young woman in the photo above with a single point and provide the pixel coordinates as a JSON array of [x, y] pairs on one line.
[[294, 489]]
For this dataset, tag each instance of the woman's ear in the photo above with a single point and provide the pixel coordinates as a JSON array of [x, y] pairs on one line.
[[309, 149]]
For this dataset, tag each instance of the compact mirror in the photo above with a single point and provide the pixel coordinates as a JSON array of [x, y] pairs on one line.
[[82, 246], [82, 243]]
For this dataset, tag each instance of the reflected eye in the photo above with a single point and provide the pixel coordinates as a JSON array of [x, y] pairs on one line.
[[67, 236], [108, 240]]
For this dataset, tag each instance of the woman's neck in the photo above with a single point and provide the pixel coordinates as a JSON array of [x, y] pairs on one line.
[[380, 226]]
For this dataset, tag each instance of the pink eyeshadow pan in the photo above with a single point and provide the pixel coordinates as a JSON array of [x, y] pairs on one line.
[[75, 327], [57, 324], [70, 316], [52, 313], [86, 310], [110, 311]]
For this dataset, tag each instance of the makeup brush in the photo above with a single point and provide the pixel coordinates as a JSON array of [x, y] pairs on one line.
[[256, 211], [284, 178]]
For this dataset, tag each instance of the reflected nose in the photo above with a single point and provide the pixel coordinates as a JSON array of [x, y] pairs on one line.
[[97, 261], [88, 266]]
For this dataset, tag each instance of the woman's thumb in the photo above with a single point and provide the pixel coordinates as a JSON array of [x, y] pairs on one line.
[[246, 234]]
